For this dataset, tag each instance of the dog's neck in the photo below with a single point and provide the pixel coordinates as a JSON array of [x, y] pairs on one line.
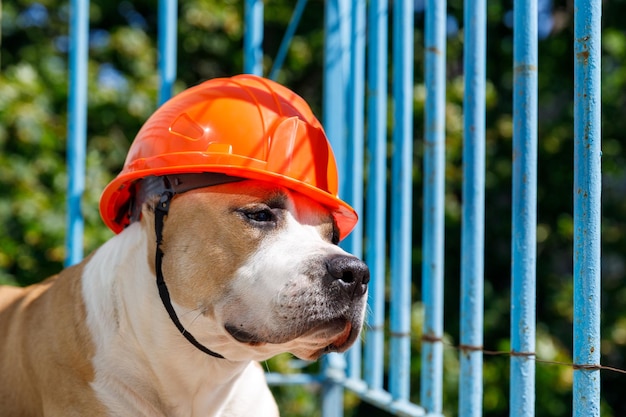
[[184, 380]]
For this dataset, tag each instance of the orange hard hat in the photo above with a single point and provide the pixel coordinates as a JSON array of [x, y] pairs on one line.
[[244, 126]]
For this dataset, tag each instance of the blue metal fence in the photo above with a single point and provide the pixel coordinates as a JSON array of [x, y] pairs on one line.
[[587, 188], [433, 216], [356, 38], [76, 128], [524, 209], [473, 216]]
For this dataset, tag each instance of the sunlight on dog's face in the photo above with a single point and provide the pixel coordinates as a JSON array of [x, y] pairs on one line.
[[254, 270]]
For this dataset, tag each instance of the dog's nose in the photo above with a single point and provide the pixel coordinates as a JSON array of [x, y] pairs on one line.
[[351, 273]]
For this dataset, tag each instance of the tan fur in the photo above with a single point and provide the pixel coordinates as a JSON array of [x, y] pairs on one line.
[[44, 324], [229, 246]]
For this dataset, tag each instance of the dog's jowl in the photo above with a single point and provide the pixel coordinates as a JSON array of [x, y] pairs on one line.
[[227, 222]]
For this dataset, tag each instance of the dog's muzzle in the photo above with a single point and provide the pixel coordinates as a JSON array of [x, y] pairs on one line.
[[323, 308]]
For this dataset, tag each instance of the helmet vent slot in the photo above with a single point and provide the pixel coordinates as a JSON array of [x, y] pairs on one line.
[[186, 127]]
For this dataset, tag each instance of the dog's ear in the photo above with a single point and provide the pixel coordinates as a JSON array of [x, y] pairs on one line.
[[147, 214], [147, 224], [150, 204]]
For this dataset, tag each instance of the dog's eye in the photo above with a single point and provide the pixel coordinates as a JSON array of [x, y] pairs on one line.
[[261, 216]]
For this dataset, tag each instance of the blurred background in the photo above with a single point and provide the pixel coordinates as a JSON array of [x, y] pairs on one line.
[[122, 94]]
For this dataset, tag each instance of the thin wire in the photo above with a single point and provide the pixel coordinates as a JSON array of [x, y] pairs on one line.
[[531, 355]]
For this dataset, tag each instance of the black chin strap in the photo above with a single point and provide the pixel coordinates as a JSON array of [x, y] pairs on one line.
[[160, 212]]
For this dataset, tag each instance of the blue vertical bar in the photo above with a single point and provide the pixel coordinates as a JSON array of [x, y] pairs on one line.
[[587, 192], [376, 189], [336, 66], [433, 220], [77, 128], [333, 369], [401, 196], [289, 32], [334, 89], [253, 37], [524, 209], [355, 150], [167, 16], [472, 234]]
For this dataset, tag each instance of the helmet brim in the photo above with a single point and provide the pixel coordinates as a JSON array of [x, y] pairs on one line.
[[119, 191]]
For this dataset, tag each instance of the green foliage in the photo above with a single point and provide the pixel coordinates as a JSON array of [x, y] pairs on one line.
[[122, 94]]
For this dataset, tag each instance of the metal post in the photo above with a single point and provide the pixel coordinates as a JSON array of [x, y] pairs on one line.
[[524, 209], [433, 221], [376, 189], [253, 37], [333, 373], [587, 193], [335, 74], [336, 67], [289, 32], [167, 16], [355, 150], [401, 208], [77, 128], [472, 237]]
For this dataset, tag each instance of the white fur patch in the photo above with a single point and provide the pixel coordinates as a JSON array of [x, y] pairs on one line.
[[143, 366]]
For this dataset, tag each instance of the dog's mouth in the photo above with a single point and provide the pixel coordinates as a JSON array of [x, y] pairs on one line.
[[343, 337], [340, 342], [335, 335], [243, 336]]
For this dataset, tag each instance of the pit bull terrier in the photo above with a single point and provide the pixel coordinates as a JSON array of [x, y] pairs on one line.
[[250, 269]]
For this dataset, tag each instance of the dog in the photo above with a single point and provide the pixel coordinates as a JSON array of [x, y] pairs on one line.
[[252, 269]]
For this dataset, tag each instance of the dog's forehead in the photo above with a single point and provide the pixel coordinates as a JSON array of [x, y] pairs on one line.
[[275, 196], [230, 197]]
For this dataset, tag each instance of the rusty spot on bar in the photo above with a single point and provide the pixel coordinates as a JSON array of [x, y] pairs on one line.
[[525, 68], [583, 56]]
